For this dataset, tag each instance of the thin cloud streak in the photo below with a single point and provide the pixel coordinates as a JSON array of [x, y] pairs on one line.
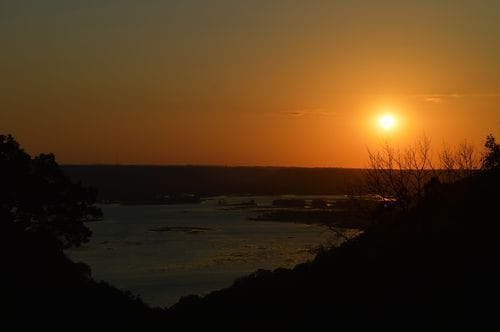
[[440, 98], [307, 112]]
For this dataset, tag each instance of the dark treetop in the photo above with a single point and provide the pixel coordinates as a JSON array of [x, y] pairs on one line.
[[36, 197]]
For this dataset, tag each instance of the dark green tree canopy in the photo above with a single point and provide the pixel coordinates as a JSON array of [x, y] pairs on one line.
[[492, 158], [37, 197]]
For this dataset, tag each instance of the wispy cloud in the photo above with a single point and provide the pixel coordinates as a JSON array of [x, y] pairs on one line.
[[306, 112], [293, 113], [435, 100], [443, 97]]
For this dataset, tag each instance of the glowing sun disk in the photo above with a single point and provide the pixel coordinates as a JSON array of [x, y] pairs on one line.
[[387, 121]]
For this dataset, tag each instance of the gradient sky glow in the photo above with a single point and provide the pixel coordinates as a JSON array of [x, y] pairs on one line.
[[295, 83]]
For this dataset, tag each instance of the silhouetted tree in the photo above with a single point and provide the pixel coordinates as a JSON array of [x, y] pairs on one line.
[[458, 163], [36, 197], [42, 212], [405, 175], [401, 174], [491, 159]]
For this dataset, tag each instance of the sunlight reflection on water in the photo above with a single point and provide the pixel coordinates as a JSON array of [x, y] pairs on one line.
[[202, 248]]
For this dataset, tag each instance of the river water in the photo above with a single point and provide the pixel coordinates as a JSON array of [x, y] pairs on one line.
[[164, 252]]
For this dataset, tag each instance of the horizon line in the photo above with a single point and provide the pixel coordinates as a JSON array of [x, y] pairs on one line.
[[207, 165]]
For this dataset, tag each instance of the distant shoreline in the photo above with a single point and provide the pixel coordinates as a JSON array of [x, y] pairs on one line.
[[212, 166], [146, 183]]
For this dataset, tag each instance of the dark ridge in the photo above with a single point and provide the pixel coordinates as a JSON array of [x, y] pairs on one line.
[[432, 267], [142, 183]]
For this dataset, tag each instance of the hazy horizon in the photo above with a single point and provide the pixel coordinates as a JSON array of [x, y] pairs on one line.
[[213, 165]]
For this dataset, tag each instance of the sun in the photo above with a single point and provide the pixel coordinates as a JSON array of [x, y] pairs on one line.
[[387, 121]]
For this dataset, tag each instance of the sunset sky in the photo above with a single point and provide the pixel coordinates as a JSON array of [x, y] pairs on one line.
[[284, 83]]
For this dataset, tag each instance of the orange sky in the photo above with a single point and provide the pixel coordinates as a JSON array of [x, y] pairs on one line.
[[295, 83]]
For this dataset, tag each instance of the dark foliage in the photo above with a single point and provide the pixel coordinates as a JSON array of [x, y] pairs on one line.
[[41, 212], [431, 267], [36, 197], [44, 290], [146, 183], [492, 157]]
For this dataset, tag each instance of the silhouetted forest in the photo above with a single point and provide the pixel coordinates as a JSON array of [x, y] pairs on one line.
[[140, 183], [43, 212], [432, 266]]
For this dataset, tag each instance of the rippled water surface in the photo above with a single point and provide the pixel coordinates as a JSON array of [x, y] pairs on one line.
[[164, 252]]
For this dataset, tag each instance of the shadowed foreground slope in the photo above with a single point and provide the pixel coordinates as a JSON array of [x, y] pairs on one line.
[[44, 290], [435, 265]]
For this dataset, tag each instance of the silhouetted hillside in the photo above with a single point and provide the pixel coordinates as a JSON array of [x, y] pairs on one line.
[[431, 267], [122, 183], [44, 290], [434, 266], [41, 213]]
